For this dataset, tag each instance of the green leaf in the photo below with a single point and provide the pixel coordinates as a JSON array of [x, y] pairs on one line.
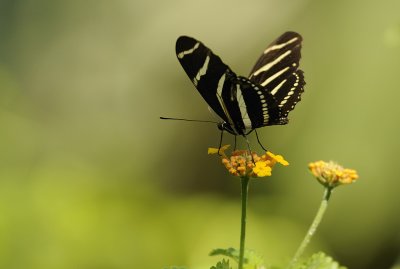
[[228, 252], [320, 261], [174, 267], [252, 260], [224, 264]]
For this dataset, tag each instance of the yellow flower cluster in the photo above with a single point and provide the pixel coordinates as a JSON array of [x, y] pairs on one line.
[[241, 163], [331, 174]]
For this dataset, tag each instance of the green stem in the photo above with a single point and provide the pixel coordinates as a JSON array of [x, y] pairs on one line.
[[245, 189], [313, 227]]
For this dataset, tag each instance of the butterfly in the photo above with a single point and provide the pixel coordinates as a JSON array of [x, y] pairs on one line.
[[264, 98]]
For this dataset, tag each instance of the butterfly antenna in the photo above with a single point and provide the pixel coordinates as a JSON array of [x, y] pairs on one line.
[[259, 141], [165, 118]]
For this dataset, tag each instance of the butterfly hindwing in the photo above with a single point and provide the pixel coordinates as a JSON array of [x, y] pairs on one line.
[[258, 106], [289, 94]]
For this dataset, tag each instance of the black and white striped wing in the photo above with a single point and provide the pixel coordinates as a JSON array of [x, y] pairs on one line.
[[207, 72], [277, 71], [257, 106]]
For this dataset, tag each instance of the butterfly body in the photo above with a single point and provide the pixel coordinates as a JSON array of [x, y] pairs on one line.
[[265, 98]]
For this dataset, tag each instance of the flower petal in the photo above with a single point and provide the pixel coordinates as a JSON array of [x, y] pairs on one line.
[[216, 150], [212, 151], [278, 158]]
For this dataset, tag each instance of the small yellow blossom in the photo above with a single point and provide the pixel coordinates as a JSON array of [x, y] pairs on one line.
[[241, 163], [331, 174], [262, 170]]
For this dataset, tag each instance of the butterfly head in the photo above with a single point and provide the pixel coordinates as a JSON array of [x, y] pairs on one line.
[[224, 126]]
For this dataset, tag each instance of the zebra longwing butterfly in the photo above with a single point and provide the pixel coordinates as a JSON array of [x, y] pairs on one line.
[[266, 97]]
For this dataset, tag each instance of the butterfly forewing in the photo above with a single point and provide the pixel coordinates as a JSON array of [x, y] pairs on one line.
[[279, 59], [277, 71], [206, 70]]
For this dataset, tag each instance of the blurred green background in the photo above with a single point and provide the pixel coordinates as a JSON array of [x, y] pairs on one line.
[[91, 178]]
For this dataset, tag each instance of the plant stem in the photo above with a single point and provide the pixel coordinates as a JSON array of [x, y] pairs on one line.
[[313, 227], [245, 189]]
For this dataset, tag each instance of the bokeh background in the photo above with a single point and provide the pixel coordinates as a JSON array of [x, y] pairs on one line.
[[91, 178]]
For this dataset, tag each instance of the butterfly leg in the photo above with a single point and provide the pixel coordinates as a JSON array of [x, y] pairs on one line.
[[220, 141], [259, 140], [235, 144], [248, 147]]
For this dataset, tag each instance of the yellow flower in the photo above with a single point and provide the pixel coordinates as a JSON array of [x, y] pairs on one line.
[[241, 163], [331, 174]]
